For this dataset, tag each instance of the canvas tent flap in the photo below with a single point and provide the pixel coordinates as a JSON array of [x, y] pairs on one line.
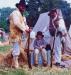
[[69, 32], [42, 23]]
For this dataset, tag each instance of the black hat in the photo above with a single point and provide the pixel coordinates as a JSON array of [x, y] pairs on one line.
[[52, 12], [39, 33], [21, 3]]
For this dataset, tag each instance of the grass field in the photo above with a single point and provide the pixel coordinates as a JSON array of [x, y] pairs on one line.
[[4, 49], [34, 71], [12, 72]]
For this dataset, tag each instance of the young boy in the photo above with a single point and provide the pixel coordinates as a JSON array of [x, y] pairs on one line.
[[39, 47]]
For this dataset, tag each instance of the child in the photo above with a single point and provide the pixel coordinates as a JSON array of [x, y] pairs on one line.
[[39, 47]]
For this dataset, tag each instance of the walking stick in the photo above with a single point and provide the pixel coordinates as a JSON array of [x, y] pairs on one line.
[[28, 52]]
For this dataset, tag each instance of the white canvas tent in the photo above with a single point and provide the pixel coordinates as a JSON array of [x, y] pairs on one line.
[[43, 24], [69, 32]]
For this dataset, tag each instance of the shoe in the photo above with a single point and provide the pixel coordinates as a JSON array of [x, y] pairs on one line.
[[36, 65], [57, 64], [45, 65], [62, 66], [16, 65]]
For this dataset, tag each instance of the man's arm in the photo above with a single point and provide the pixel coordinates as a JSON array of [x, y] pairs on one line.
[[17, 22]]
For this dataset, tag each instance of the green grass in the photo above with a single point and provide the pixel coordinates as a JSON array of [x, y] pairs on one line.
[[4, 49], [37, 71], [13, 72], [1, 39]]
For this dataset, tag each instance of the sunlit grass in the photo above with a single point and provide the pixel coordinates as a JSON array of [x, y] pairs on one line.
[[46, 71]]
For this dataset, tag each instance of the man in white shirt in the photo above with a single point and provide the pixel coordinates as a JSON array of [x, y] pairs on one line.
[[18, 25], [57, 31]]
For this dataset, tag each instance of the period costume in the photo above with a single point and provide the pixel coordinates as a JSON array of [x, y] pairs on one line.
[[17, 27], [57, 32]]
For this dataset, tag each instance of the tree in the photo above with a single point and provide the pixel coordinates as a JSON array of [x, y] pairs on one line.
[[4, 22], [33, 11]]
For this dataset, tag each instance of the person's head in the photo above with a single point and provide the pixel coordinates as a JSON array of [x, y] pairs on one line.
[[52, 13], [39, 35], [21, 6]]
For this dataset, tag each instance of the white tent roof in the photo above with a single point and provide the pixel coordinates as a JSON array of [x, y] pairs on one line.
[[42, 23], [69, 31]]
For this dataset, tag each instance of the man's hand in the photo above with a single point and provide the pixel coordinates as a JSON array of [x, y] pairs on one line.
[[28, 31], [41, 47]]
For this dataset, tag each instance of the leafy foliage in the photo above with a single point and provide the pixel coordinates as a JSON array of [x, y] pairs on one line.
[[5, 12]]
